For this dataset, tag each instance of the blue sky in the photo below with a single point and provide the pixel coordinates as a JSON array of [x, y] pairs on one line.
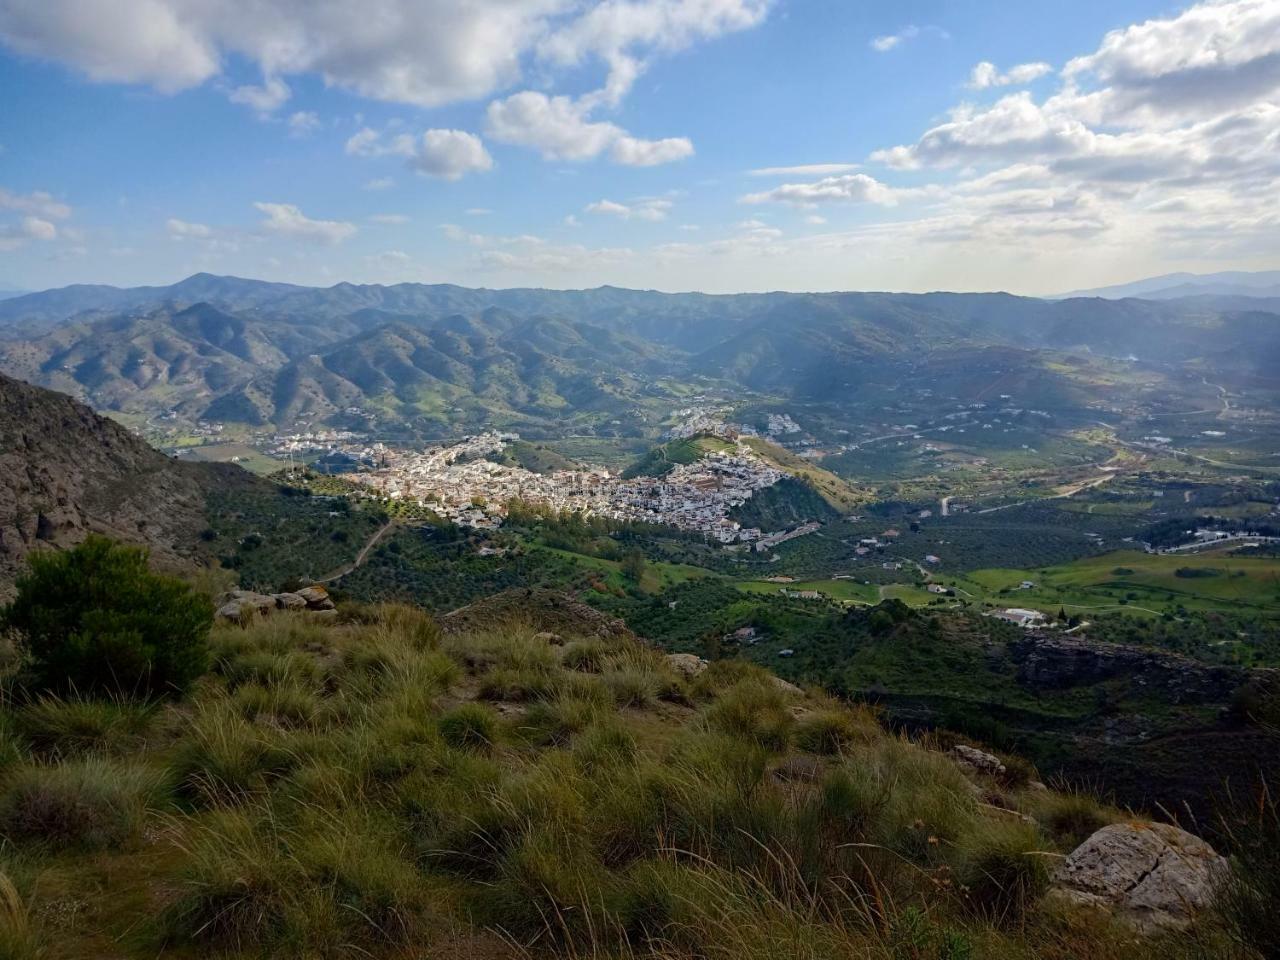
[[1032, 147]]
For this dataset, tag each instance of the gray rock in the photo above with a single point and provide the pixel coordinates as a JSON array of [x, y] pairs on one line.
[[289, 601], [977, 761], [315, 597], [325, 615], [1152, 875], [686, 664], [546, 636], [786, 687], [229, 611]]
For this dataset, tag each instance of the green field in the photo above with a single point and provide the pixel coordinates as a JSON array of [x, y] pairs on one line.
[[1142, 583]]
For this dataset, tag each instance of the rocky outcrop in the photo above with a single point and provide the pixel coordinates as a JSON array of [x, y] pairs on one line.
[[687, 665], [237, 605], [1053, 662], [977, 761], [1152, 875], [66, 472]]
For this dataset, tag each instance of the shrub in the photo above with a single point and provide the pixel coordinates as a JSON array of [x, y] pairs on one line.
[[1070, 818], [828, 731], [1247, 899], [223, 758], [86, 804], [18, 939], [469, 727], [753, 709], [1000, 868], [632, 687], [95, 618], [75, 725], [557, 721], [585, 655]]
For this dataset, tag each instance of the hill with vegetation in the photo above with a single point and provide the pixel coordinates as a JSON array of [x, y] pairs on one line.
[[360, 780]]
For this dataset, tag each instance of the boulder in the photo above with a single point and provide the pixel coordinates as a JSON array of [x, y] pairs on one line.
[[977, 761], [546, 636], [786, 687], [324, 615], [1152, 875], [686, 664], [315, 597], [238, 603], [289, 601]]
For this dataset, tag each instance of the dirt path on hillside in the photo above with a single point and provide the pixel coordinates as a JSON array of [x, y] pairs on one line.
[[363, 555]]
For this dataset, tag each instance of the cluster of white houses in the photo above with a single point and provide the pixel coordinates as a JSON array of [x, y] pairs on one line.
[[458, 482]]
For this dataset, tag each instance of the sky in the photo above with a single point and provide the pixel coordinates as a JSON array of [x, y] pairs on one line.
[[716, 145]]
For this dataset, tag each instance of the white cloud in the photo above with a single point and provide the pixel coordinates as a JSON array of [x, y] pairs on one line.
[[450, 154], [264, 100], [849, 188], [389, 219], [556, 126], [287, 220], [804, 170], [985, 75], [652, 210], [477, 211], [420, 52], [301, 123], [37, 202], [891, 41], [560, 128], [183, 230], [16, 235], [447, 154], [815, 220], [378, 183]]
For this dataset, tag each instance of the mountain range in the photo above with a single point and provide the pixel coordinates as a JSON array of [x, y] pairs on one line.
[[1171, 286], [435, 359]]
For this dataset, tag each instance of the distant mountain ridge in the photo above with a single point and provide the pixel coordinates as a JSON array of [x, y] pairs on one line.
[[1173, 286], [434, 360]]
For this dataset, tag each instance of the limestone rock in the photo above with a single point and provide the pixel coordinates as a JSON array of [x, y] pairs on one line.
[[786, 686], [317, 598], [546, 636], [1152, 875], [324, 615], [686, 664], [289, 601], [977, 761]]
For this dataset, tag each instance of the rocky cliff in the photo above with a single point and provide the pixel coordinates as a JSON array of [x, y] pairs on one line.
[[66, 472]]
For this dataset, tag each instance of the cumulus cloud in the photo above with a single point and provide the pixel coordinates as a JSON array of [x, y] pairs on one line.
[[37, 202], [14, 235], [850, 188], [287, 220], [652, 210], [986, 74], [420, 52], [560, 128], [447, 154], [263, 100], [450, 154]]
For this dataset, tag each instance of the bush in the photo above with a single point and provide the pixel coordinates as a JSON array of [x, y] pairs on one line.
[[755, 710], [87, 804], [77, 725], [1000, 868], [96, 618], [469, 727], [828, 731]]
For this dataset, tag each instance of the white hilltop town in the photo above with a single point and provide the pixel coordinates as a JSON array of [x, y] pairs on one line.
[[459, 483]]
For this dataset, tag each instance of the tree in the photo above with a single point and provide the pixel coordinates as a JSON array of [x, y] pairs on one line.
[[633, 565], [95, 618]]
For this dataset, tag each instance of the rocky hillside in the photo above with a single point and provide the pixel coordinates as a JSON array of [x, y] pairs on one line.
[[66, 472], [369, 781]]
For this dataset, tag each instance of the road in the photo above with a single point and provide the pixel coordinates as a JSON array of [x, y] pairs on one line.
[[363, 555]]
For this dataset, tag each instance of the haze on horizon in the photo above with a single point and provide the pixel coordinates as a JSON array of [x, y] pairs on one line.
[[716, 145]]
